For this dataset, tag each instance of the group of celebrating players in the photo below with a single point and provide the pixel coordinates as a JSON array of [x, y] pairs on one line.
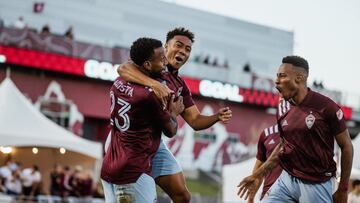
[[295, 154]]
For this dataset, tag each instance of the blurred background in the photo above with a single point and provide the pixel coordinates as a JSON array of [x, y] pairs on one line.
[[58, 60]]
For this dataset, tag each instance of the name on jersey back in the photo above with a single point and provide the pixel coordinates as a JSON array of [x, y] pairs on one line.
[[126, 89]]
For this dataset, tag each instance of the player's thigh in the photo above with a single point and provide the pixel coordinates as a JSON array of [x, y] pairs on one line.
[[145, 189], [164, 162], [142, 191], [282, 191], [319, 193], [173, 184], [109, 192]]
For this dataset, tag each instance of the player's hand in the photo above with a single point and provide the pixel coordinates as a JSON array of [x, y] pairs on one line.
[[224, 115], [251, 197], [176, 107], [340, 196], [162, 92], [249, 186]]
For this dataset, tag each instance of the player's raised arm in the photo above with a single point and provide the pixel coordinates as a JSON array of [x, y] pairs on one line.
[[199, 122], [130, 73]]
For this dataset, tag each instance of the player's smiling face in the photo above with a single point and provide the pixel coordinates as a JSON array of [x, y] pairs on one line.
[[178, 50], [285, 81]]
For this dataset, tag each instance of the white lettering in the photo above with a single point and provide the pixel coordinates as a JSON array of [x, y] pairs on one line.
[[100, 70], [2, 58], [219, 90]]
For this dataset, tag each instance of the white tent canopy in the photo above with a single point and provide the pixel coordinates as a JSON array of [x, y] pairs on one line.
[[22, 125]]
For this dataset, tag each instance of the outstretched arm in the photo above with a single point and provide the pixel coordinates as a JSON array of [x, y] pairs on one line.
[[344, 142], [197, 121], [257, 165], [249, 185], [129, 72]]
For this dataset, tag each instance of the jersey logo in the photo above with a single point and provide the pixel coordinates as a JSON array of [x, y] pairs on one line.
[[272, 141], [285, 123], [339, 114], [310, 120]]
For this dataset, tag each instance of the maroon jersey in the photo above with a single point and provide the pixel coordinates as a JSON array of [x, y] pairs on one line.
[[308, 131], [269, 139], [174, 82], [137, 119]]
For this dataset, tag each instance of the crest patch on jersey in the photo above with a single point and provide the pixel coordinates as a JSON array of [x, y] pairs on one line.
[[339, 114], [310, 120]]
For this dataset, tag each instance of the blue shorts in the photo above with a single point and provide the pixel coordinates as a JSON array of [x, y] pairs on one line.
[[142, 191], [288, 189], [164, 162]]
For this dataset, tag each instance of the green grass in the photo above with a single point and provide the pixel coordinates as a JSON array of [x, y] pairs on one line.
[[201, 187]]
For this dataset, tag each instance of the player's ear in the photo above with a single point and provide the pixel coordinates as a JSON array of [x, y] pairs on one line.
[[147, 65]]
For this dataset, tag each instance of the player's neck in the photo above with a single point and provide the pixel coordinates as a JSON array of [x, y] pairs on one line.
[[171, 69], [144, 71], [300, 96]]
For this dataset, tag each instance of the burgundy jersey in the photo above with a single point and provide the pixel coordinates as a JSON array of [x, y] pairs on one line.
[[137, 119], [269, 139], [309, 131], [174, 82]]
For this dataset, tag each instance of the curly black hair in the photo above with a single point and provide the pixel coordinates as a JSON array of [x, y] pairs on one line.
[[356, 183], [180, 31], [142, 49], [297, 61]]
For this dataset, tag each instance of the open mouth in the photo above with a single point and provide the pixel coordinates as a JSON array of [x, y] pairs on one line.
[[179, 59], [278, 88]]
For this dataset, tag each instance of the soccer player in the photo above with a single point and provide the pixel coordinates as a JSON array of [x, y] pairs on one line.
[[166, 170], [137, 119], [306, 149], [268, 140]]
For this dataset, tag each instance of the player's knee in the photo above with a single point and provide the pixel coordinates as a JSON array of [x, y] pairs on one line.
[[183, 196]]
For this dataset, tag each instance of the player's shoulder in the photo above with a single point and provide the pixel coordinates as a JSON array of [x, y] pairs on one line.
[[131, 89], [283, 107], [271, 130], [322, 101]]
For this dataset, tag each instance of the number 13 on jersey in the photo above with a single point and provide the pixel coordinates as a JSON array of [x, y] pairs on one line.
[[122, 112]]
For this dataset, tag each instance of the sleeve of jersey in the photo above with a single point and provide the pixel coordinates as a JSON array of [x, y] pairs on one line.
[[163, 115], [335, 117], [261, 150], [187, 98]]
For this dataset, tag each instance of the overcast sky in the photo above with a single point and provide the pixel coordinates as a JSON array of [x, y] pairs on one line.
[[327, 33]]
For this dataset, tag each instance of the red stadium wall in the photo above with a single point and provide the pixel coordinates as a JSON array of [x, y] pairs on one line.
[[229, 144]]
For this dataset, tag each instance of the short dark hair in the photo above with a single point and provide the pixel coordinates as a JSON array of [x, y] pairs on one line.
[[142, 49], [180, 31], [297, 61], [356, 183]]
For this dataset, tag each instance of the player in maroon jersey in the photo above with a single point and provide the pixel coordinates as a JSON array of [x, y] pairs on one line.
[[308, 130], [268, 140], [137, 120], [178, 48]]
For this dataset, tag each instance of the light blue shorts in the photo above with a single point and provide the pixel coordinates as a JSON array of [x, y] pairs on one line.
[[143, 191], [164, 162], [288, 189]]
